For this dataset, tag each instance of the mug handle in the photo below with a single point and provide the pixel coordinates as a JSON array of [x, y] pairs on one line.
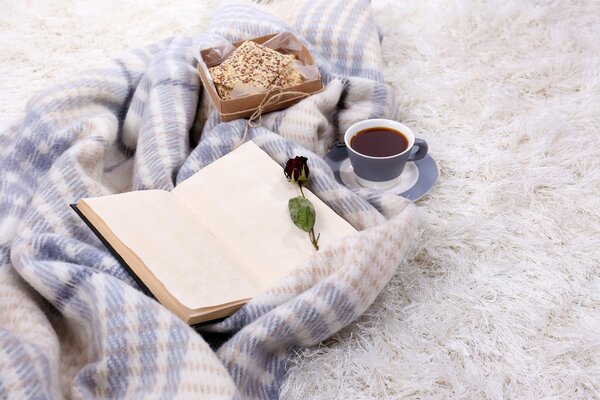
[[421, 150]]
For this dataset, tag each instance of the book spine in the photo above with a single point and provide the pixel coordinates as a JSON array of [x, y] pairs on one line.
[[113, 252]]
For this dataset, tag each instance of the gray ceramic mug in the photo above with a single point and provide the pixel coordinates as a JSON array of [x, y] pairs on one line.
[[382, 173]]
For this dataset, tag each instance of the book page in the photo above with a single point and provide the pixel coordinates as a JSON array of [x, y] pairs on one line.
[[242, 199], [175, 248]]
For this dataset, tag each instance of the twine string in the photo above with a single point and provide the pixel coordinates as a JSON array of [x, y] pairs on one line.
[[255, 120]]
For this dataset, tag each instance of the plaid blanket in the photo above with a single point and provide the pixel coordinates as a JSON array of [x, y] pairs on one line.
[[73, 323]]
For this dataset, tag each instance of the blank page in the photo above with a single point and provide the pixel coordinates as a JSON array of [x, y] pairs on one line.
[[194, 267], [242, 199]]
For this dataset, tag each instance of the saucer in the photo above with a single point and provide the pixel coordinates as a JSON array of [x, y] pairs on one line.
[[417, 179]]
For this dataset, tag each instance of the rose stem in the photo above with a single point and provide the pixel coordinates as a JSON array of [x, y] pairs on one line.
[[313, 240], [301, 191]]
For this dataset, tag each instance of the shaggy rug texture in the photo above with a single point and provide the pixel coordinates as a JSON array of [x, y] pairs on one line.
[[501, 296]]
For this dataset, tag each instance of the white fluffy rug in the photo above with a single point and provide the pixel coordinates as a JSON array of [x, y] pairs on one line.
[[501, 298]]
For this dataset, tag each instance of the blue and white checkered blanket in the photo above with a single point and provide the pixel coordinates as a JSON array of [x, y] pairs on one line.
[[74, 324]]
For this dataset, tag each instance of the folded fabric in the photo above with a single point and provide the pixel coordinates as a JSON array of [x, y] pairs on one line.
[[73, 323]]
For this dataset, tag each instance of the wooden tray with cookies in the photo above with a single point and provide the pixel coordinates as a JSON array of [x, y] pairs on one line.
[[256, 76]]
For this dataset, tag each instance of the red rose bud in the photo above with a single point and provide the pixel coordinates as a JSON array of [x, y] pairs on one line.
[[296, 169]]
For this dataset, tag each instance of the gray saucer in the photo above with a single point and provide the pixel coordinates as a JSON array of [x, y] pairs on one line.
[[417, 179]]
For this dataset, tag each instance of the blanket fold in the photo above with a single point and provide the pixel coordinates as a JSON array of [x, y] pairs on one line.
[[73, 323]]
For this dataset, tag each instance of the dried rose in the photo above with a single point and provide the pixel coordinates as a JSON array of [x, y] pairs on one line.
[[302, 212], [296, 169]]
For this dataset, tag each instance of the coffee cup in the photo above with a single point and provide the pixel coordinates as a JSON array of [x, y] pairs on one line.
[[379, 149]]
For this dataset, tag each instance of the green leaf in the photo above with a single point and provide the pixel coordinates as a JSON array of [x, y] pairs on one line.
[[302, 213]]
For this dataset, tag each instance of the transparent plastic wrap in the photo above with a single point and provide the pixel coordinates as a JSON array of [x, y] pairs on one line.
[[212, 50], [216, 49]]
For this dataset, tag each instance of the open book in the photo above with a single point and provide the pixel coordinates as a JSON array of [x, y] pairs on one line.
[[218, 239]]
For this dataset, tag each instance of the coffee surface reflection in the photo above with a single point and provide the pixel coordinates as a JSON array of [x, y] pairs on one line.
[[379, 142]]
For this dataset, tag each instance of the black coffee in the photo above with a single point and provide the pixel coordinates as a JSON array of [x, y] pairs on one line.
[[379, 142]]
